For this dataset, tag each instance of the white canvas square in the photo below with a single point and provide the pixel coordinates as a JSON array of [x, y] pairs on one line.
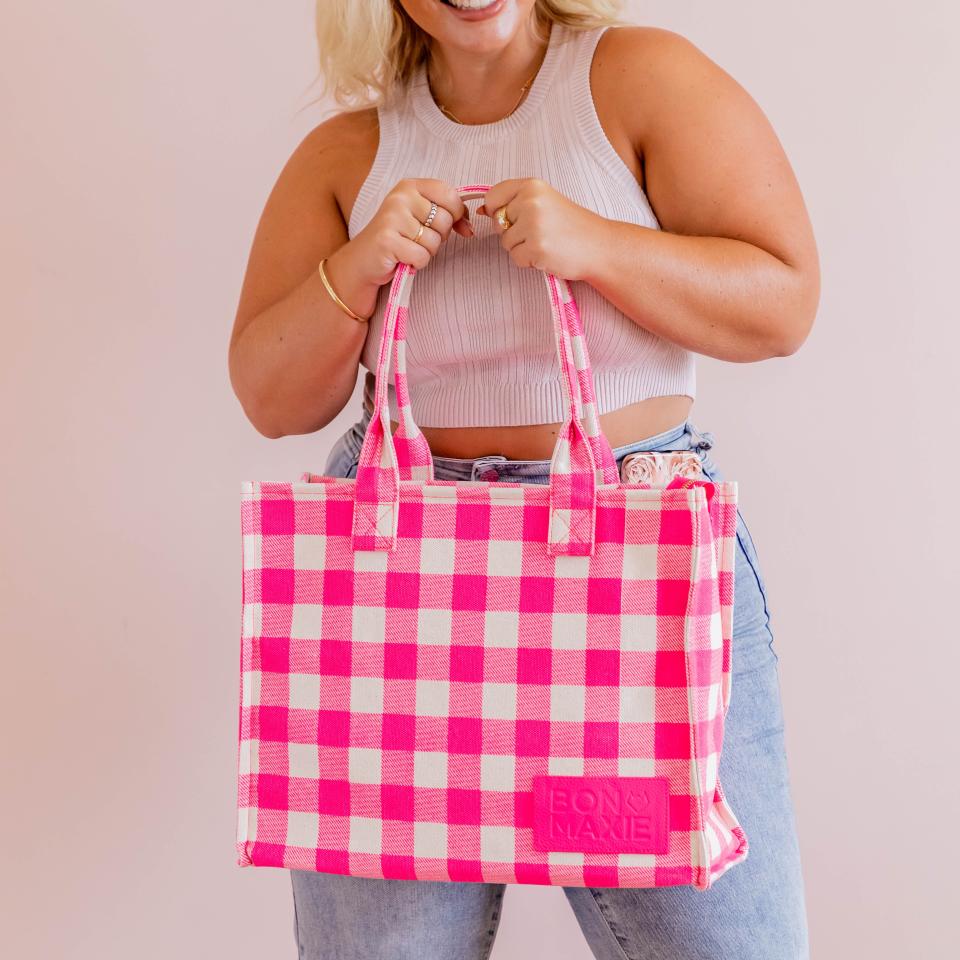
[[306, 623], [251, 688], [433, 698], [370, 561], [430, 840], [366, 834], [251, 551], [309, 551], [498, 772], [640, 561], [696, 859], [715, 850], [369, 623], [386, 519], [365, 765], [434, 626], [303, 760], [565, 766], [713, 700], [638, 631], [509, 496], [501, 628], [497, 844], [570, 631], [505, 558], [246, 824], [304, 691], [249, 756], [710, 773], [437, 492], [636, 767], [637, 860], [565, 858], [436, 555], [560, 524], [500, 701], [716, 632], [430, 768], [577, 568], [366, 694], [567, 702], [638, 704], [252, 618], [303, 829]]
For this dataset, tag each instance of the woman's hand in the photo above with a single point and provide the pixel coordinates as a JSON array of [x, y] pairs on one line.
[[550, 232], [373, 254]]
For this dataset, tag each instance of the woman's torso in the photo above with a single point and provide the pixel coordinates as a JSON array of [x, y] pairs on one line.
[[620, 158]]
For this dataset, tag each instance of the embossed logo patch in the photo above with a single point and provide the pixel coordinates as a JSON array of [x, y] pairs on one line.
[[601, 814]]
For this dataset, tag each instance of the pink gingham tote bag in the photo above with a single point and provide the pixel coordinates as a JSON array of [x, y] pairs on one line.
[[487, 681]]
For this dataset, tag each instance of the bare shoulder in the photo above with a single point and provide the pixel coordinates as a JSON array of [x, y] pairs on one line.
[[647, 74], [342, 132], [713, 165], [307, 212], [640, 46], [336, 156]]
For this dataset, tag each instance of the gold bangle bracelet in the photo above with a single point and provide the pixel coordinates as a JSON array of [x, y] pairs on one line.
[[333, 294]]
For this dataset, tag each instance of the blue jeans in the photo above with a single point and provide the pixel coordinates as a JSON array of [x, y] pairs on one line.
[[755, 911]]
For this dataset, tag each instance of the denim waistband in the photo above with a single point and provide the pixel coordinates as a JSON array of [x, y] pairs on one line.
[[683, 436]]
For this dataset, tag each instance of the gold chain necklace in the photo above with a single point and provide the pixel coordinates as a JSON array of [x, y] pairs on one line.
[[523, 92]]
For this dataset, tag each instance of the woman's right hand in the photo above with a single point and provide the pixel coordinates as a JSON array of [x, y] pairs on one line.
[[373, 254]]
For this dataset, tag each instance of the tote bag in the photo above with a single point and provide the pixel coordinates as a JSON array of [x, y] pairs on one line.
[[487, 681]]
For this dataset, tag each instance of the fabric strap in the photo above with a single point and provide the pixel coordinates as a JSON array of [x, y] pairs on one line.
[[582, 459]]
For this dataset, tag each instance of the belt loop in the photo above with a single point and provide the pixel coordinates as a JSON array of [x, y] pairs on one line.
[[704, 440], [481, 468]]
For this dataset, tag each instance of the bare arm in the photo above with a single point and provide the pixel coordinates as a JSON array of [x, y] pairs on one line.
[[734, 272], [294, 354]]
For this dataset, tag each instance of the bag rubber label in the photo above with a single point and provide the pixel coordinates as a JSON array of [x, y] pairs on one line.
[[601, 814]]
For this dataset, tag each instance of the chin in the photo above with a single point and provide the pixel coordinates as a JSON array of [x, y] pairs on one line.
[[489, 34]]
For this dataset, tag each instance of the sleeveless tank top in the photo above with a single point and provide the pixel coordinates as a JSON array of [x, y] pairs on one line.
[[480, 342]]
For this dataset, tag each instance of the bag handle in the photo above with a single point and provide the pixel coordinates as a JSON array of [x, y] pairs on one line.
[[582, 459]]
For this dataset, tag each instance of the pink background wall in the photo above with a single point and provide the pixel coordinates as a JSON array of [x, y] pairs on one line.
[[140, 141]]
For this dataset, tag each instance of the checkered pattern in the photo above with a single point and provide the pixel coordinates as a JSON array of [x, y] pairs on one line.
[[416, 651]]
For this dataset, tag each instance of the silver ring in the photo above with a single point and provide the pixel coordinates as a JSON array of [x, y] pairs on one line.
[[433, 213]]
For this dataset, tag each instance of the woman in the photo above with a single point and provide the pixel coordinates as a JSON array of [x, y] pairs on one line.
[[585, 127]]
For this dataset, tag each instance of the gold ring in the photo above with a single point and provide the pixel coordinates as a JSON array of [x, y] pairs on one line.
[[503, 219], [416, 239]]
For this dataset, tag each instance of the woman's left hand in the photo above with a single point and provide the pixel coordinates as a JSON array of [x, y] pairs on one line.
[[549, 231]]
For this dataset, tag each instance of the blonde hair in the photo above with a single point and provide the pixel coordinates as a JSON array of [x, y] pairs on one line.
[[371, 48]]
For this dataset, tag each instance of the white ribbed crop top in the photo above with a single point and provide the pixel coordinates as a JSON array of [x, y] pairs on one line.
[[480, 344]]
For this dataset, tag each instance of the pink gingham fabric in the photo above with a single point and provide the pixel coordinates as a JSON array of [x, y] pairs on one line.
[[487, 681]]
